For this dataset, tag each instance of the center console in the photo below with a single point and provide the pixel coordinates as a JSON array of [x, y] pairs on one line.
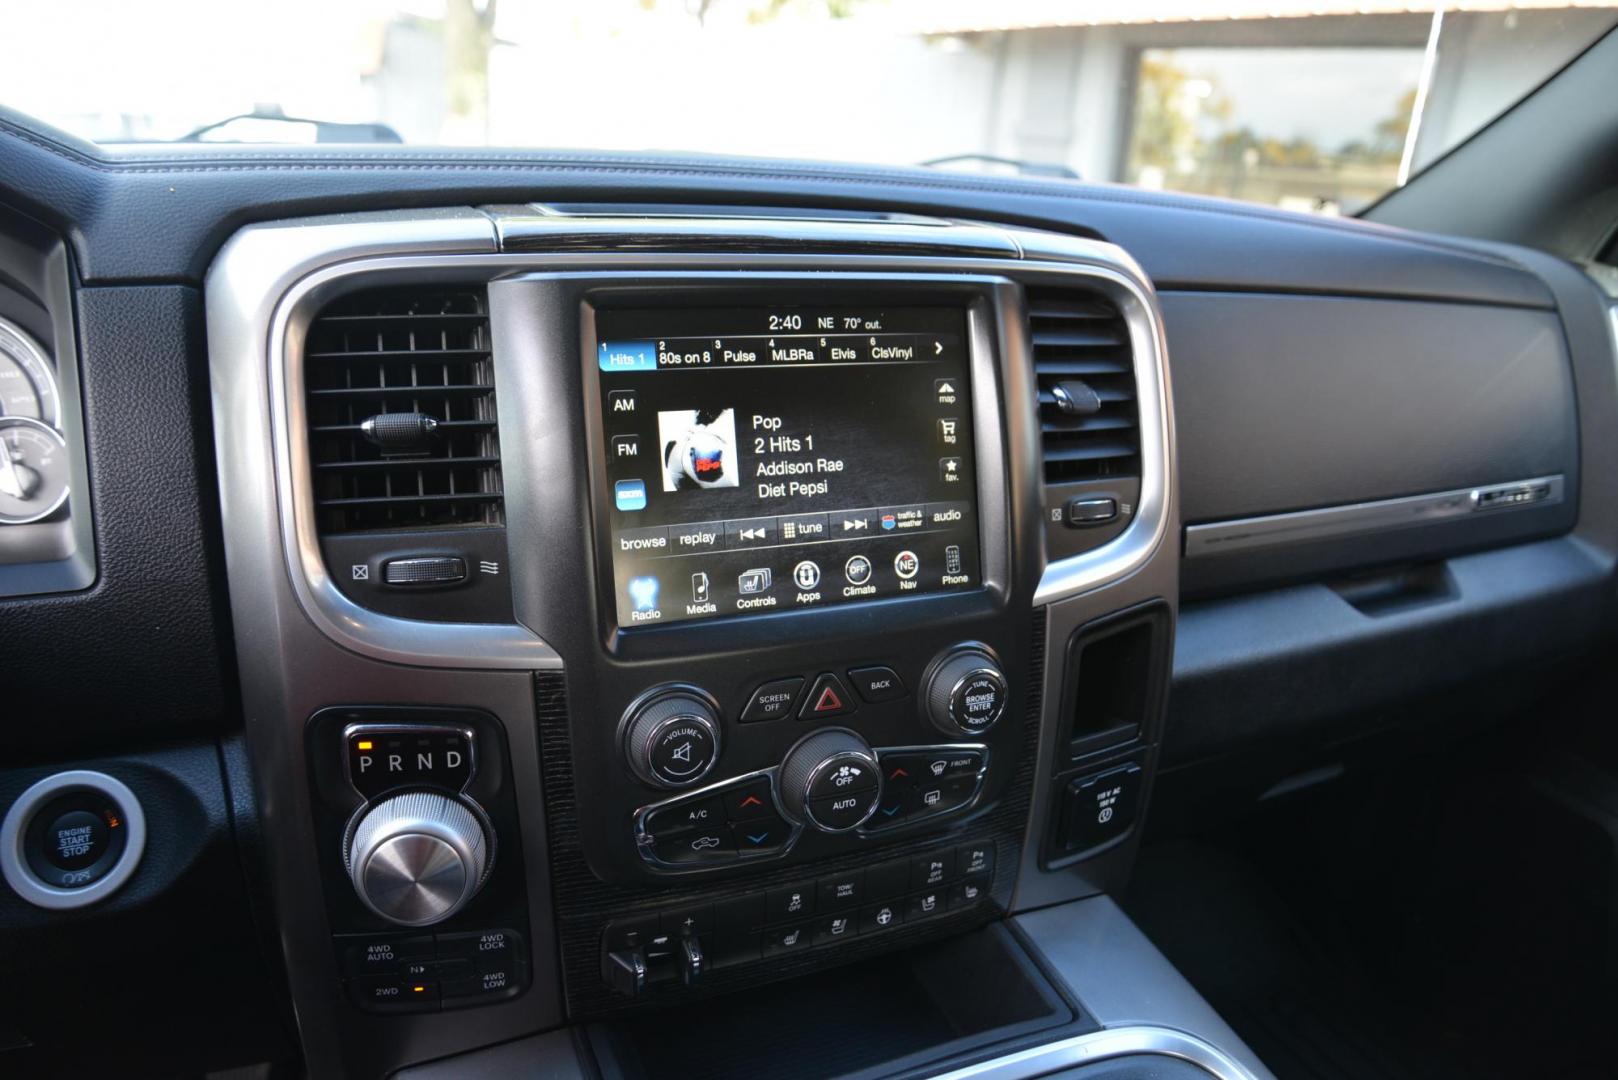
[[638, 610]]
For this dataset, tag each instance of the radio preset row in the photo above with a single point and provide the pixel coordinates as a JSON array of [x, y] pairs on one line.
[[765, 460]]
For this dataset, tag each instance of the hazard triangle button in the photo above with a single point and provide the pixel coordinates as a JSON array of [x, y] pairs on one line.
[[828, 697]]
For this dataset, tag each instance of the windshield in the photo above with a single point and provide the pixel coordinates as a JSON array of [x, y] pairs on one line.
[[1309, 105]]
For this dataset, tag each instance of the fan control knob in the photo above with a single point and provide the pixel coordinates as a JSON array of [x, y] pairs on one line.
[[831, 780]]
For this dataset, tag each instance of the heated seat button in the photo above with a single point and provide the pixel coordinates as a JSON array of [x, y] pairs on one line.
[[827, 698], [966, 893], [877, 684], [772, 701], [926, 904], [834, 928], [75, 840], [787, 938]]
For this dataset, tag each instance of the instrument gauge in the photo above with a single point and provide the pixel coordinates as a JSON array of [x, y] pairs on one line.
[[27, 385], [34, 470]]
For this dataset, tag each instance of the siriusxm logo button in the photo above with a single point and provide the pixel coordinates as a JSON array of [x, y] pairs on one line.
[[630, 494]]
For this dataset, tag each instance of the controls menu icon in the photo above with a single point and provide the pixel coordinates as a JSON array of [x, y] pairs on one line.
[[753, 582]]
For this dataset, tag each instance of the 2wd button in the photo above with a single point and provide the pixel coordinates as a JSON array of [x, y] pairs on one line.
[[877, 684], [827, 698]]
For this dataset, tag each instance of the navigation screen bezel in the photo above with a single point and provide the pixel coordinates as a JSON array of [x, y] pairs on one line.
[[975, 297]]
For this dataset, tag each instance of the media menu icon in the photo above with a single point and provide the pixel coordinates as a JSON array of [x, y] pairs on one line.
[[699, 588]]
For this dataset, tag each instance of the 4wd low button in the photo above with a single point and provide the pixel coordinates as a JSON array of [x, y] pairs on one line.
[[977, 701]]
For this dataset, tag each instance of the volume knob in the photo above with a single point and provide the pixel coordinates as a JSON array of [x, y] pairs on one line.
[[416, 859], [672, 738]]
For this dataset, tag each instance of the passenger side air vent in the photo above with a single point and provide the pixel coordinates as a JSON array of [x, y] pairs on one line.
[[400, 392], [1089, 424]]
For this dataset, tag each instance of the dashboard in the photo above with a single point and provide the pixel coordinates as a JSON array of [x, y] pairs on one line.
[[584, 594]]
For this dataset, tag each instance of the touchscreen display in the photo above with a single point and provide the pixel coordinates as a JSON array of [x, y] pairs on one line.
[[782, 459]]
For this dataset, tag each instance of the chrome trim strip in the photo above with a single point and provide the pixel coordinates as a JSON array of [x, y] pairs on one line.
[[266, 283], [1102, 1046], [1333, 522]]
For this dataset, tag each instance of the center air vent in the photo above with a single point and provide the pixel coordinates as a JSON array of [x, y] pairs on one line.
[[1089, 424], [400, 390]]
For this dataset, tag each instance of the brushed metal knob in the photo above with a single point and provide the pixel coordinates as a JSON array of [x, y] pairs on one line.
[[416, 859]]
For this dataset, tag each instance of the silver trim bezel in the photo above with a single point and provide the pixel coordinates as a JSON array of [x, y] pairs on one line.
[[270, 279], [1354, 519], [1101, 1046], [13, 832]]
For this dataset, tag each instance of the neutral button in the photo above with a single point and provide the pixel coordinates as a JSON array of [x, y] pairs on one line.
[[876, 684]]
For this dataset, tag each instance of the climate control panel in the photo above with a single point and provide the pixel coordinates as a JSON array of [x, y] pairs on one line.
[[830, 782]]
